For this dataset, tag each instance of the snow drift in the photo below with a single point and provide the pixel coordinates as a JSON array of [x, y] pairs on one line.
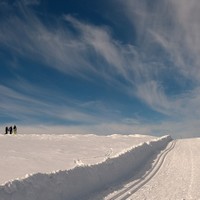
[[81, 181]]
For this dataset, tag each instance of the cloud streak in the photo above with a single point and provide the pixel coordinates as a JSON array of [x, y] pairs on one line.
[[166, 45], [59, 48], [20, 106], [169, 30]]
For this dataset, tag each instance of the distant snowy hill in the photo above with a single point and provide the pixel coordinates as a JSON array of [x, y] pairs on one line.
[[69, 166]]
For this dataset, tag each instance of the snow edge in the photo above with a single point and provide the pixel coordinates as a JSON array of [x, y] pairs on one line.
[[82, 180]]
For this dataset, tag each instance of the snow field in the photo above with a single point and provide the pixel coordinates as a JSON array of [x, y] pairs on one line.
[[32, 153], [81, 181]]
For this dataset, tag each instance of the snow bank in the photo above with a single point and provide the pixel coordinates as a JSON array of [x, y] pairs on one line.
[[83, 180]]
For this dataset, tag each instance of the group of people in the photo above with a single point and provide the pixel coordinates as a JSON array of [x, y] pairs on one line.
[[11, 130]]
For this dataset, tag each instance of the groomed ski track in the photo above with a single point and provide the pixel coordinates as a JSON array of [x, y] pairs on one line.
[[173, 175], [134, 186]]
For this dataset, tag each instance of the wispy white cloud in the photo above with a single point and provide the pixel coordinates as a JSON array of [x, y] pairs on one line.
[[165, 31], [28, 103], [172, 24], [153, 94], [59, 48], [172, 27]]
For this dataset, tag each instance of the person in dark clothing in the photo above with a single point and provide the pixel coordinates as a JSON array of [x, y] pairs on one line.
[[6, 130], [15, 129], [11, 129]]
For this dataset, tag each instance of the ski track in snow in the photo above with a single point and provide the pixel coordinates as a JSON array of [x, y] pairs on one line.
[[173, 175], [133, 187]]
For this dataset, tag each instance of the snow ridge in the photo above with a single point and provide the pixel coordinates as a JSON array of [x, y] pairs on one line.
[[81, 181]]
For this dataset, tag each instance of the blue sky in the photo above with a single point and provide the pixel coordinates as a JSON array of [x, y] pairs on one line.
[[116, 66]]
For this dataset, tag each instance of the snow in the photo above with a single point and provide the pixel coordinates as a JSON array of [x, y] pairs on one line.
[[173, 174], [84, 164], [29, 154], [178, 178]]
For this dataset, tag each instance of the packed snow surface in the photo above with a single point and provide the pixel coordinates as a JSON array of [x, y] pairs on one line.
[[116, 157], [179, 176], [173, 175]]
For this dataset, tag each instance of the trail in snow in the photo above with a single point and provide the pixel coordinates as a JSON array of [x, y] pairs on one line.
[[175, 175], [136, 185], [178, 177]]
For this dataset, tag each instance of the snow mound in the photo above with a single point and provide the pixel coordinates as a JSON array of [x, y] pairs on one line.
[[83, 180]]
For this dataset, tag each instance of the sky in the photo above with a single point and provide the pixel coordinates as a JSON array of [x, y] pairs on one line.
[[103, 67]]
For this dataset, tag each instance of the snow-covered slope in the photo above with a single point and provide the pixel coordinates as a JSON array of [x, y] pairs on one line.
[[82, 180], [30, 154]]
